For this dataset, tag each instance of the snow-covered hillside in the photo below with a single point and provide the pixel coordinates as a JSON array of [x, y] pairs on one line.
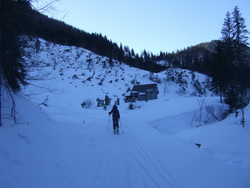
[[57, 143]]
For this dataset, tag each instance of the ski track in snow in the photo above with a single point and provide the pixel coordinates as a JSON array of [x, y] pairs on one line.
[[126, 155], [158, 175]]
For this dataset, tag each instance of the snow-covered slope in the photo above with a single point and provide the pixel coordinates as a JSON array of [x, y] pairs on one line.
[[57, 143]]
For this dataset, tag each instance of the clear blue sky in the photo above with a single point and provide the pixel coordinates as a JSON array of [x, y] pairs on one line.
[[153, 25]]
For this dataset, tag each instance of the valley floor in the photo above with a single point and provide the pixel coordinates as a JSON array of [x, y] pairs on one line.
[[78, 149], [56, 143]]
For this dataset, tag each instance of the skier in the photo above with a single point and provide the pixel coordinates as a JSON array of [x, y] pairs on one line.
[[116, 116]]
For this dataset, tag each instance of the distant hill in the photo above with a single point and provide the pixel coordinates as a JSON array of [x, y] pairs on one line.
[[27, 21], [196, 58], [84, 71]]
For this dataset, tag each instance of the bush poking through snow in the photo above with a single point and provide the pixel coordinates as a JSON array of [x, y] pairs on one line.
[[207, 114], [215, 113], [74, 77], [45, 102], [87, 103]]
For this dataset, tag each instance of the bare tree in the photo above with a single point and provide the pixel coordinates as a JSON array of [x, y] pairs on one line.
[[6, 89], [198, 114], [44, 5], [47, 6], [243, 120]]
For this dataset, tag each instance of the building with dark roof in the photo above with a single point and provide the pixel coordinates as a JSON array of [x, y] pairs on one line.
[[143, 92]]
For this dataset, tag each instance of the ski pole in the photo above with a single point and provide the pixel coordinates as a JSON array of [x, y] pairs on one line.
[[121, 126], [108, 123]]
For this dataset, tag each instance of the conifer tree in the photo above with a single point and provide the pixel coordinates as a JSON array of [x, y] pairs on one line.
[[240, 36], [223, 57], [228, 37], [230, 59], [240, 47], [11, 62]]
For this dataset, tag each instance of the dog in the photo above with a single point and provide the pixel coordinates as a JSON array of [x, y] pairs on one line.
[[198, 145]]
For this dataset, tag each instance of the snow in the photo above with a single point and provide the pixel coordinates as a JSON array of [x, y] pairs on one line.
[[64, 145]]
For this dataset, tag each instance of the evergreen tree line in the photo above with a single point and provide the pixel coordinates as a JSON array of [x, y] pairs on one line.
[[196, 58], [18, 19]]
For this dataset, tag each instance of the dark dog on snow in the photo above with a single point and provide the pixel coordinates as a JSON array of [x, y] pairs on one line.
[[198, 145]]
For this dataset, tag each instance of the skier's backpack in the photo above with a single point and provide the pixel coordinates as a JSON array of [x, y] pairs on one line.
[[116, 112]]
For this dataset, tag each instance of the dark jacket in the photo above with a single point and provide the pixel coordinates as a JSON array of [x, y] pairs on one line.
[[115, 112]]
